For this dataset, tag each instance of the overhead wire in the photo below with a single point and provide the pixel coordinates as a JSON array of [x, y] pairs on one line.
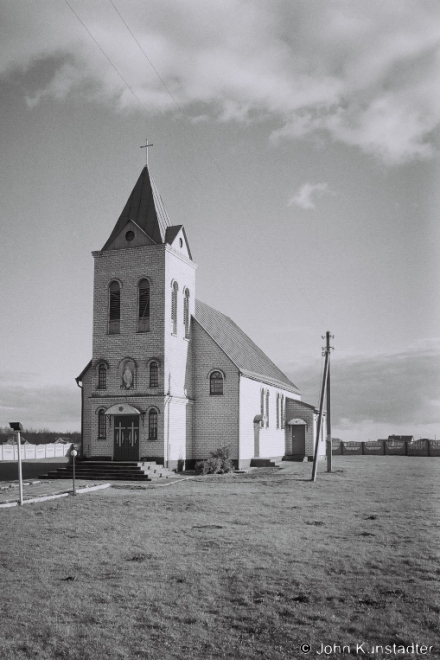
[[117, 71], [177, 104], [130, 88]]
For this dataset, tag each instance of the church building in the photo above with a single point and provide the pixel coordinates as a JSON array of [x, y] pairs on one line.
[[172, 379]]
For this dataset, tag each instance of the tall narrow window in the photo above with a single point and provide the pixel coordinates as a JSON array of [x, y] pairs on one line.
[[152, 425], [154, 374], [282, 411], [267, 408], [278, 410], [101, 425], [102, 377], [186, 313], [262, 408], [114, 316], [216, 383], [174, 307], [144, 306]]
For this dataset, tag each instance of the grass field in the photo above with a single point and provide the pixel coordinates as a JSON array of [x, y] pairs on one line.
[[244, 566]]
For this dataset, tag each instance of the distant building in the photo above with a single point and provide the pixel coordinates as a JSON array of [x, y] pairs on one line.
[[402, 438]]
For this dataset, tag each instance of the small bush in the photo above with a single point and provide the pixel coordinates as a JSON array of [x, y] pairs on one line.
[[218, 463]]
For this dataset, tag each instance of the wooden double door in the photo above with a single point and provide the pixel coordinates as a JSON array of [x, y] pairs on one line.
[[126, 446]]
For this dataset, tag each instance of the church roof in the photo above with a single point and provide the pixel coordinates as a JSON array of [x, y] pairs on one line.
[[247, 357], [145, 207]]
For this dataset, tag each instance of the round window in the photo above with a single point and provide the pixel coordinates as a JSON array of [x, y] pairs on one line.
[[129, 236]]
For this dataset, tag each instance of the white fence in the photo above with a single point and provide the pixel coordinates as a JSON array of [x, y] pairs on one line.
[[28, 452]]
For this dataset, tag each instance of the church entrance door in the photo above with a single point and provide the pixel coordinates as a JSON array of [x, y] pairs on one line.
[[298, 440], [126, 438]]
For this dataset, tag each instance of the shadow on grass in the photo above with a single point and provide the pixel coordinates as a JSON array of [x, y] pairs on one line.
[[30, 469]]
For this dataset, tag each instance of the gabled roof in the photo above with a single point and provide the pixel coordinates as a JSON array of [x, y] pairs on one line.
[[241, 350], [145, 207], [171, 234], [86, 368]]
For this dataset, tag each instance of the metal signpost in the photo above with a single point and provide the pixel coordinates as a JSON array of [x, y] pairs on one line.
[[17, 427], [73, 454]]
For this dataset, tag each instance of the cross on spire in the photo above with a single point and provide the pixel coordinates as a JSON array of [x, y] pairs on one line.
[[146, 146]]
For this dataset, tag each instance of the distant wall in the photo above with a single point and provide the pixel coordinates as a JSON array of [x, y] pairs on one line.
[[29, 452], [387, 447]]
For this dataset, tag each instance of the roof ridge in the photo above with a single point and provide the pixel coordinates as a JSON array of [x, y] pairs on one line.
[[238, 346]]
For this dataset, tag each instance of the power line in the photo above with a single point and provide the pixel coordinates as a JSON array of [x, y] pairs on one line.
[[222, 174], [146, 56], [176, 102], [117, 71]]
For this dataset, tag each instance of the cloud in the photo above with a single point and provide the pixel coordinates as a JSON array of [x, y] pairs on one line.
[[57, 408], [383, 393], [364, 74], [303, 197]]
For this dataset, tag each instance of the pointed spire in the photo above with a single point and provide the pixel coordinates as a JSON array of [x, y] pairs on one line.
[[145, 207]]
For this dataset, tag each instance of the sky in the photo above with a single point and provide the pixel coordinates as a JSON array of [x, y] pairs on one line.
[[296, 141]]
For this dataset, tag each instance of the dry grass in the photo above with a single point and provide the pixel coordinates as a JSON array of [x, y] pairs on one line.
[[246, 566]]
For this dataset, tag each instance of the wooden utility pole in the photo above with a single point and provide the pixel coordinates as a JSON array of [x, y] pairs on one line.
[[328, 348], [325, 387]]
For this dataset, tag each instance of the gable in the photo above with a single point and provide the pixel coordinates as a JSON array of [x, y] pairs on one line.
[[176, 237], [130, 236]]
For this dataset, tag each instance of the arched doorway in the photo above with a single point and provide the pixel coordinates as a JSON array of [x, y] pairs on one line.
[[126, 432]]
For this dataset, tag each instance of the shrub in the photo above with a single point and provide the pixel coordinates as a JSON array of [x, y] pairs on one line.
[[218, 463]]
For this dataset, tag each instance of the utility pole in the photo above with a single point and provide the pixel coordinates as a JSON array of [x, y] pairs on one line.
[[328, 348], [325, 387]]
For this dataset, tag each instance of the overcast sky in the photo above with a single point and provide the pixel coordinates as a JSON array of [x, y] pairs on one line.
[[297, 141]]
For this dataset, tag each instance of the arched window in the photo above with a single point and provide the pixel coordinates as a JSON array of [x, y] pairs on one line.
[[278, 410], [102, 377], [186, 313], [216, 383], [174, 307], [267, 408], [262, 408], [101, 425], [144, 306], [154, 374], [152, 424], [114, 313]]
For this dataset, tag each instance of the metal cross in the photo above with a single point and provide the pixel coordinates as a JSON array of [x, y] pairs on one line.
[[146, 146], [132, 434], [118, 430]]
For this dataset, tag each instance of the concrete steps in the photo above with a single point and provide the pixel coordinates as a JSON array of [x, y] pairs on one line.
[[263, 462], [113, 471], [297, 458]]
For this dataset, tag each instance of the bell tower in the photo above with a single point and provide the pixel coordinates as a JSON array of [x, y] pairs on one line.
[[137, 389]]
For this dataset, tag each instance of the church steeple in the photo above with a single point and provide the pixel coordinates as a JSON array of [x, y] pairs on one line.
[[145, 211]]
